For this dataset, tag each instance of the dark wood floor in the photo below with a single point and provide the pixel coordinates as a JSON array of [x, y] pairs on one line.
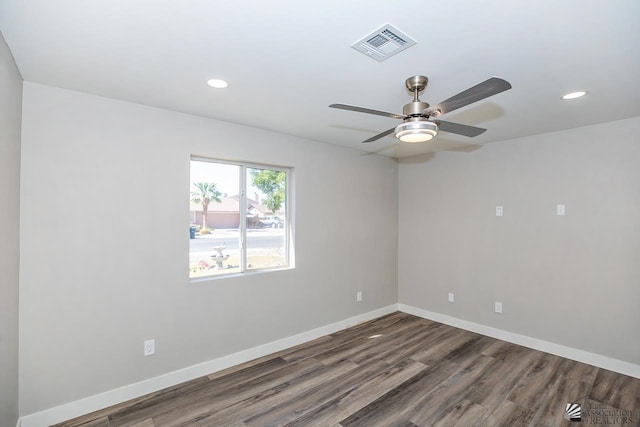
[[398, 370]]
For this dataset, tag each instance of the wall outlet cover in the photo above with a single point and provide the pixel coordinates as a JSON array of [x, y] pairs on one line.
[[149, 347]]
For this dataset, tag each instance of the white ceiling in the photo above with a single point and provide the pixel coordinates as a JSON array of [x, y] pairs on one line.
[[287, 60]]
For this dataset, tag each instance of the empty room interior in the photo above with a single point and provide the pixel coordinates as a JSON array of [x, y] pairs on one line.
[[398, 213]]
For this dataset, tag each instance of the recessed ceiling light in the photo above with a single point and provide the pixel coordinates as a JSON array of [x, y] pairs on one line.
[[574, 95], [217, 83]]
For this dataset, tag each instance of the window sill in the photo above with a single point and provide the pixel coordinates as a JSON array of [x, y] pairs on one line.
[[234, 275]]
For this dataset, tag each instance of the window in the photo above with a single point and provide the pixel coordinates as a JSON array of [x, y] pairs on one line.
[[239, 218]]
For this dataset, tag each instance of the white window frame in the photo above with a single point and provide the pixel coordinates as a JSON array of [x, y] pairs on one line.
[[242, 206]]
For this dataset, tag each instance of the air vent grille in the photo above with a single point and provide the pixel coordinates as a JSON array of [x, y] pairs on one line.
[[377, 40], [383, 43]]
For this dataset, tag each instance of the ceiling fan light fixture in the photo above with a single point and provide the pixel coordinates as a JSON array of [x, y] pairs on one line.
[[416, 131]]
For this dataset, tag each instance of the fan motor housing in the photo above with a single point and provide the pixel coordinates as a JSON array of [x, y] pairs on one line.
[[414, 108]]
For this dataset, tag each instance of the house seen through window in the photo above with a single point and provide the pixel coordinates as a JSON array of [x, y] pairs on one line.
[[239, 219]]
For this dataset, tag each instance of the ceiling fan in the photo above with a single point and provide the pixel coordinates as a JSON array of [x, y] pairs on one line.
[[419, 120]]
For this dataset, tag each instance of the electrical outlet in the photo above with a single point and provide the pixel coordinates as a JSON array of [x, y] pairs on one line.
[[149, 347], [450, 296], [499, 307], [359, 296]]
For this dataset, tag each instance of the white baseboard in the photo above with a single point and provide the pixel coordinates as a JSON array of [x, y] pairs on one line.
[[594, 359], [131, 391]]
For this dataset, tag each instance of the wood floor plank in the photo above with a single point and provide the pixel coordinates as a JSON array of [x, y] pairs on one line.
[[369, 326], [618, 391], [571, 386], [464, 413], [284, 412], [350, 348], [341, 338], [218, 394], [341, 405], [438, 402], [416, 373], [184, 394], [249, 373], [145, 423], [100, 422], [139, 405], [469, 349], [265, 359], [204, 405], [453, 339], [417, 342], [210, 393], [396, 406], [530, 390], [286, 392], [510, 414], [495, 385], [381, 346], [403, 346]]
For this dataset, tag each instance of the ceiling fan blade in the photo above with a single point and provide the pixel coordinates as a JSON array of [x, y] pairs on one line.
[[366, 110], [458, 128], [380, 135], [483, 90]]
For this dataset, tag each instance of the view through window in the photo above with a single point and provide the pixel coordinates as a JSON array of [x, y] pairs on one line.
[[239, 218]]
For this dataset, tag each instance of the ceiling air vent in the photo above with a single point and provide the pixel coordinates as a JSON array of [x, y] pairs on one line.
[[383, 43]]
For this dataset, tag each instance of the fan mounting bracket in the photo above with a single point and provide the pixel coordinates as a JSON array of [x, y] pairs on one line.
[[416, 84]]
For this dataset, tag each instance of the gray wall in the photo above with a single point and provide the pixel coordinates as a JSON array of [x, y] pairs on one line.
[[95, 283], [10, 114], [572, 280]]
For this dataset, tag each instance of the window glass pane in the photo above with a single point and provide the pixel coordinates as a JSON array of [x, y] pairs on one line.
[[214, 244], [266, 219]]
